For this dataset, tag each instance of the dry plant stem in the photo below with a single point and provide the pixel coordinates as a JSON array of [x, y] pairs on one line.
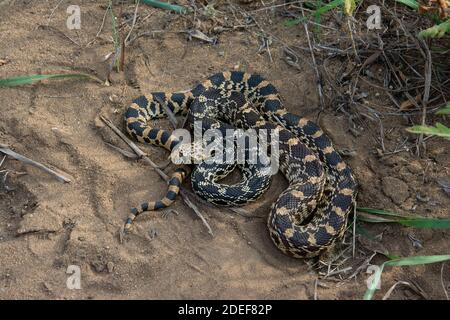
[[141, 154], [59, 32], [389, 292], [425, 51], [53, 11], [363, 266], [3, 161], [122, 41], [426, 94], [243, 213], [191, 205], [335, 272], [6, 150], [170, 115], [350, 30], [134, 22], [354, 231], [277, 5], [442, 281], [248, 14], [125, 153], [315, 288], [102, 24], [418, 289], [319, 78], [100, 28]]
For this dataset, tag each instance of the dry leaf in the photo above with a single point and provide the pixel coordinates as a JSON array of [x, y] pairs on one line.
[[349, 7], [441, 8], [371, 59], [193, 33], [408, 104]]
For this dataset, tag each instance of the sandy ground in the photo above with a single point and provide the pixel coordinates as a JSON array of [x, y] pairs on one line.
[[45, 225]]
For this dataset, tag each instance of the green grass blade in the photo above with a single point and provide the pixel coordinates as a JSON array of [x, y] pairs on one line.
[[439, 130], [381, 216], [113, 25], [426, 223], [165, 6], [317, 16], [30, 79], [413, 4], [310, 5], [367, 218], [417, 260], [293, 22], [445, 110], [329, 6], [407, 261], [385, 213], [317, 13], [436, 31]]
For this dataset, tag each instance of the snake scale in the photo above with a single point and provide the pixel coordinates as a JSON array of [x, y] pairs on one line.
[[310, 216]]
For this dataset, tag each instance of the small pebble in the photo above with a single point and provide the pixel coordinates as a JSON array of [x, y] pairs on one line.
[[415, 167], [396, 189], [114, 98], [417, 244], [152, 233], [422, 198], [47, 287], [110, 266]]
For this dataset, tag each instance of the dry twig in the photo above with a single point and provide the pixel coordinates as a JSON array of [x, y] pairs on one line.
[[318, 76], [141, 154], [426, 94], [6, 150], [442, 281]]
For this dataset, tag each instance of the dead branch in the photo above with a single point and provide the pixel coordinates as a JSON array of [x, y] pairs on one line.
[[141, 154], [318, 76], [6, 150]]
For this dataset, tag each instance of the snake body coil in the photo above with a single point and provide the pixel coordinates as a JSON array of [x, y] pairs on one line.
[[311, 214]]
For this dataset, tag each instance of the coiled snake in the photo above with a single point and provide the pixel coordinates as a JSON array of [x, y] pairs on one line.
[[311, 214]]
